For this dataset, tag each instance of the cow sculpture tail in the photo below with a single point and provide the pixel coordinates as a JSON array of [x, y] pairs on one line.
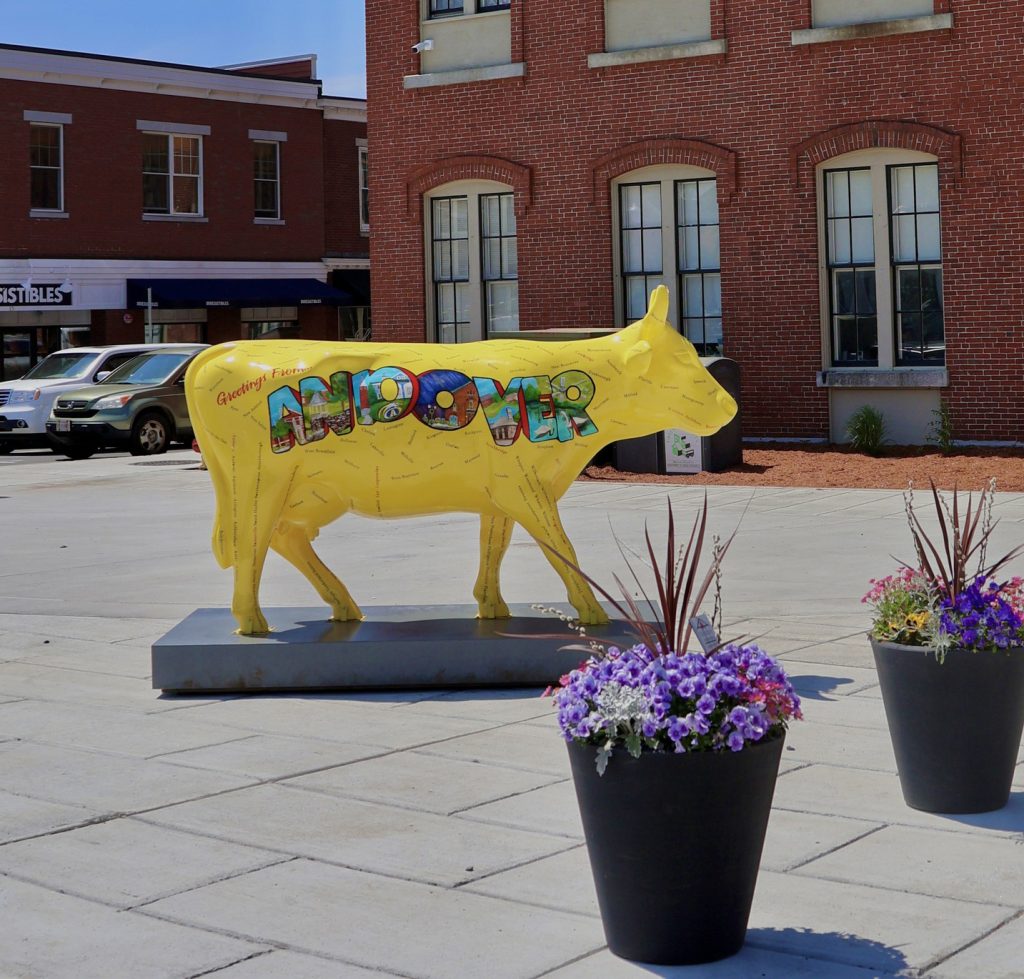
[[217, 456]]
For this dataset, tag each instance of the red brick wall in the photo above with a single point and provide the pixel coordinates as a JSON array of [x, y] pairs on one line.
[[341, 187], [757, 103], [103, 179]]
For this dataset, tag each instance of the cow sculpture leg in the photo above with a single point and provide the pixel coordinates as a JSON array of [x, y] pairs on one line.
[[495, 534], [291, 542], [542, 522]]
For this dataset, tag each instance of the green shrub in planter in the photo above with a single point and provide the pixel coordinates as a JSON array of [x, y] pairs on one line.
[[866, 430]]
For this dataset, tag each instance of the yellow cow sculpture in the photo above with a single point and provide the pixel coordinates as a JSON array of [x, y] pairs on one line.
[[296, 433]]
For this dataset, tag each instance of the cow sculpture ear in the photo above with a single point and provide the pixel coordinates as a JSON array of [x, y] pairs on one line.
[[638, 358], [657, 309]]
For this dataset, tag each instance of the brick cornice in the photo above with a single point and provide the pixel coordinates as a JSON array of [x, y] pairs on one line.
[[662, 152], [946, 146], [430, 175]]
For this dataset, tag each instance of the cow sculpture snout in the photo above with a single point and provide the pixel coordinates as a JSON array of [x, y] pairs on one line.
[[297, 433]]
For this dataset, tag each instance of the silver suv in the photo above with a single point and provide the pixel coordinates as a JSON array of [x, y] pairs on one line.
[[25, 404]]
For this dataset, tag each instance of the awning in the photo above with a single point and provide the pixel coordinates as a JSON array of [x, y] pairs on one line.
[[356, 282], [194, 293]]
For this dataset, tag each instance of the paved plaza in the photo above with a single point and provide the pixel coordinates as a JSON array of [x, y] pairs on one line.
[[433, 834]]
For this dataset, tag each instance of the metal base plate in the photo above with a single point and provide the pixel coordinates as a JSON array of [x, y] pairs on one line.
[[394, 647]]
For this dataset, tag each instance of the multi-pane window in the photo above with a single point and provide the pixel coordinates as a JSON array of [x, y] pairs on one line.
[[46, 162], [442, 8], [483, 6], [697, 256], [850, 244], [499, 263], [171, 174], [916, 264], [641, 245], [364, 190], [884, 263], [266, 179], [449, 230]]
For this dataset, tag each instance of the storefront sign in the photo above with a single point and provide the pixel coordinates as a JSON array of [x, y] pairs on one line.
[[18, 295]]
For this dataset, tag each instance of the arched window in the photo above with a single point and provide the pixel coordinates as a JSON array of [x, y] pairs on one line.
[[472, 271], [665, 224], [882, 251]]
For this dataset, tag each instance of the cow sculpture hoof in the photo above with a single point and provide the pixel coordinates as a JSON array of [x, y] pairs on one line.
[[492, 610], [252, 625]]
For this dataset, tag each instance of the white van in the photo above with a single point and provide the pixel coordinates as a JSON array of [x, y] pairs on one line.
[[25, 404]]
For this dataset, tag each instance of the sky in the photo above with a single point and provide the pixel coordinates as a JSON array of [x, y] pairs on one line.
[[207, 33]]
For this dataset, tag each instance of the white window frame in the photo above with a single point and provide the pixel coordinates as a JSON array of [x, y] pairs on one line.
[[363, 165], [667, 176], [200, 204], [472, 190], [469, 8], [276, 216], [59, 209], [878, 161]]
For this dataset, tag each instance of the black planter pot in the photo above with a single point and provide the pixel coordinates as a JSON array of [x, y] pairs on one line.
[[675, 844], [955, 726]]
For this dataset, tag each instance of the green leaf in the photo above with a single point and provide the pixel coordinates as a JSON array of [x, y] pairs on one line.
[[603, 754], [633, 744]]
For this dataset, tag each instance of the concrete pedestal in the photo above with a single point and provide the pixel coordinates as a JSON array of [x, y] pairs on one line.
[[400, 647]]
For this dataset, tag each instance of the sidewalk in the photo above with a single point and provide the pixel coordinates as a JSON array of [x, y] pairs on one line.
[[433, 834]]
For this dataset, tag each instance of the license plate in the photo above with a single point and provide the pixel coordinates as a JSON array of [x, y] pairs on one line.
[[63, 424]]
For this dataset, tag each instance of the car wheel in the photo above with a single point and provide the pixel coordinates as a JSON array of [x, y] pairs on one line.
[[151, 434]]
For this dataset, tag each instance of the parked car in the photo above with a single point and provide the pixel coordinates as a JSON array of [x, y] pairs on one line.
[[140, 406], [25, 404]]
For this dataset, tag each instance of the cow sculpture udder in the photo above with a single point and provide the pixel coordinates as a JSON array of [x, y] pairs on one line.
[[297, 433]]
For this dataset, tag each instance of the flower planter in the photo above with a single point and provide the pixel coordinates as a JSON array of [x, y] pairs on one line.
[[675, 844], [955, 726]]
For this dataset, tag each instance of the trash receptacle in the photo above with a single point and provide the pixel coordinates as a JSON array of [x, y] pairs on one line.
[[676, 451]]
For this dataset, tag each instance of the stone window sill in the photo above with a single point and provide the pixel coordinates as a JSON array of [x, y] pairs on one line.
[[883, 28], [40, 213], [183, 218], [664, 52], [875, 377], [461, 76], [268, 220]]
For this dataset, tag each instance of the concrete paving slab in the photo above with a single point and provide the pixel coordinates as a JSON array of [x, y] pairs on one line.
[[820, 681], [96, 780], [977, 868], [269, 757], [869, 927], [998, 955], [108, 729], [351, 916], [22, 817], [561, 882], [855, 710], [33, 681], [57, 936], [876, 797], [126, 658], [423, 782], [124, 862], [530, 747], [95, 628], [295, 965], [332, 718], [394, 842], [796, 837], [815, 741], [751, 962], [499, 707], [551, 809]]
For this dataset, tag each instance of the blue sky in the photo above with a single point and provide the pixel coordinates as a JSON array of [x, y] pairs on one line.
[[201, 32]]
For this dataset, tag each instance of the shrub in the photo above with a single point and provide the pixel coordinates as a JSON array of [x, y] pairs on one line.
[[941, 428], [866, 430]]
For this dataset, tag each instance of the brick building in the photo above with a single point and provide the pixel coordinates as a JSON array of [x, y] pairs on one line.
[[831, 190], [149, 201]]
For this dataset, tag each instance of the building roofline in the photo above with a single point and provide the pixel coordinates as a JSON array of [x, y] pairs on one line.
[[311, 57], [222, 70]]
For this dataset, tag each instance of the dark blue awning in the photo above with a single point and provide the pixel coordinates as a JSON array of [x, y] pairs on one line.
[[194, 293]]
